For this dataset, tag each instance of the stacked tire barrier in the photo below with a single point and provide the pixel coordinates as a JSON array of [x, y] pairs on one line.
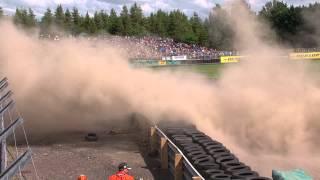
[[209, 157]]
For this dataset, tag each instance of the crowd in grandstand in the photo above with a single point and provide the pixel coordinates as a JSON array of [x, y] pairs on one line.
[[151, 47], [157, 47]]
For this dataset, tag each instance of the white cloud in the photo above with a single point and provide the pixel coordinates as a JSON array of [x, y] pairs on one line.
[[204, 3], [146, 8]]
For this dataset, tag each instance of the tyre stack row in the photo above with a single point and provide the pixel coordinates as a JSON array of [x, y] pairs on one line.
[[211, 158]]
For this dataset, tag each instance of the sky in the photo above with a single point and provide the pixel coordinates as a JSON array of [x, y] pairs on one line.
[[202, 7]]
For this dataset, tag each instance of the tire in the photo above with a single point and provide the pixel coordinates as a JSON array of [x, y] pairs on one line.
[[191, 132], [222, 154], [230, 159], [220, 177], [211, 143], [218, 150], [196, 153], [191, 149], [258, 178], [180, 140], [234, 169], [179, 136], [210, 172], [228, 164], [202, 159], [187, 144], [199, 137], [203, 156], [216, 146], [204, 141], [245, 174], [91, 137], [206, 165]]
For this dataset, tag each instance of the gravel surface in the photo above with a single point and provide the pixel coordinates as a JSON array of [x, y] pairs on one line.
[[70, 155]]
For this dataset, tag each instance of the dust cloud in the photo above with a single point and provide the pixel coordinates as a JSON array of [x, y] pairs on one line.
[[268, 103], [264, 108], [79, 84]]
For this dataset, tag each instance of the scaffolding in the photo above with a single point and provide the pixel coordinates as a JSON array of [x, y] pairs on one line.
[[12, 158]]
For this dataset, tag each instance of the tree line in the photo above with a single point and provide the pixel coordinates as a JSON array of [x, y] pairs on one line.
[[289, 22], [295, 26], [129, 22]]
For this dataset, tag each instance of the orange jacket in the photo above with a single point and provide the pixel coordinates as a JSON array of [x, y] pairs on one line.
[[121, 176], [82, 177]]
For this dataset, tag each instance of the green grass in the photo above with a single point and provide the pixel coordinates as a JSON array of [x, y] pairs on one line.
[[210, 70], [214, 70]]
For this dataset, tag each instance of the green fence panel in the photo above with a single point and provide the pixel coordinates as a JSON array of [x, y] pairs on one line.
[[297, 174]]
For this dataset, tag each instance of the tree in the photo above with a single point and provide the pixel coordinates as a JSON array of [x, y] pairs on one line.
[[283, 19], [136, 17], [89, 25], [198, 29], [161, 22], [76, 22], [68, 21], [105, 19], [1, 12], [219, 29], [114, 23], [98, 20], [21, 17], [59, 16], [46, 20], [17, 18], [125, 20], [31, 20], [179, 27]]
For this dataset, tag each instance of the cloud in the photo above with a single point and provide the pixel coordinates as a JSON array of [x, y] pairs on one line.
[[147, 8]]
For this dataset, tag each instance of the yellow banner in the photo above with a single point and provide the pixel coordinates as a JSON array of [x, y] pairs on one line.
[[310, 55], [230, 59], [162, 62]]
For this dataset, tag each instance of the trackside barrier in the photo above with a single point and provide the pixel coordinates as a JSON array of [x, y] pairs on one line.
[[171, 157]]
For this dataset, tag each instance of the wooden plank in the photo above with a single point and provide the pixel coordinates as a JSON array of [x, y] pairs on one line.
[[164, 153], [153, 139], [196, 178], [178, 166]]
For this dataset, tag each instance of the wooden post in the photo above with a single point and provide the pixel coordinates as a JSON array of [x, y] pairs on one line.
[[164, 153], [196, 178], [178, 167], [153, 139]]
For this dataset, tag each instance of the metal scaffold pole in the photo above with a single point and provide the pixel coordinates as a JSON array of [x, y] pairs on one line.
[[3, 148], [12, 167]]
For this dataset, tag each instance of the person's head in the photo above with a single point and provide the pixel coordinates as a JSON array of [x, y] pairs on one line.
[[124, 167]]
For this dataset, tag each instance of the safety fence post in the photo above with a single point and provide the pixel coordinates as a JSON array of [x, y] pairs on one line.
[[164, 153], [196, 178], [153, 139], [178, 166]]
